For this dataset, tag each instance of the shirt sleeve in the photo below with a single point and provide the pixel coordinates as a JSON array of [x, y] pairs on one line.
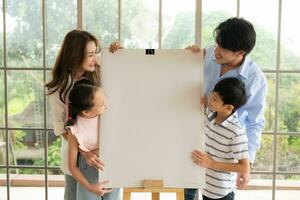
[[239, 146], [58, 113], [254, 121]]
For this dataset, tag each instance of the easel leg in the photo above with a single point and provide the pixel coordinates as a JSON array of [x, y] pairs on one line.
[[126, 195], [180, 195], [155, 196]]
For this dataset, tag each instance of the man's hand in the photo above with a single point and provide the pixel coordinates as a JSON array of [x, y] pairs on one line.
[[242, 180], [193, 48], [92, 159]]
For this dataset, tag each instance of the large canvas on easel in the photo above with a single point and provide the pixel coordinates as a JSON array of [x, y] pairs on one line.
[[154, 118]]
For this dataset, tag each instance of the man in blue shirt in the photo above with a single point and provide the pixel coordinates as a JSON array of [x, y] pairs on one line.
[[235, 39]]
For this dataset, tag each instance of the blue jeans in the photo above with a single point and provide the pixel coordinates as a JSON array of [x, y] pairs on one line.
[[92, 175], [70, 188], [190, 194]]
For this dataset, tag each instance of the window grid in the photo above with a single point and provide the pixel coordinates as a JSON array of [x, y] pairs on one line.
[[198, 3]]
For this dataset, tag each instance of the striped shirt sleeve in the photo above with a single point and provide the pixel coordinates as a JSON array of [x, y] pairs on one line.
[[239, 146]]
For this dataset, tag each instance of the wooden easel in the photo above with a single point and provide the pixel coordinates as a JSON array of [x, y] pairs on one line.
[[154, 187]]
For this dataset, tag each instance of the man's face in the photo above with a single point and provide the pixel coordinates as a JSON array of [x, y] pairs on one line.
[[224, 56]]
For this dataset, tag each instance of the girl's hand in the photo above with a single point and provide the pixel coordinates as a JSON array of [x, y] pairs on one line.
[[92, 159], [204, 101], [193, 48], [202, 159], [99, 189], [113, 47]]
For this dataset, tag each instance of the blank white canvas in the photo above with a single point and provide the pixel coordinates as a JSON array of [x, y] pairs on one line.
[[154, 118]]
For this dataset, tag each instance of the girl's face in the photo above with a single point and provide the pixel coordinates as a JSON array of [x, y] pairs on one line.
[[100, 104], [90, 57]]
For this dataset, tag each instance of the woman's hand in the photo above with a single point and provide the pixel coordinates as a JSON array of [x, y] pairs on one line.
[[113, 47], [202, 159], [92, 159], [99, 189], [193, 48]]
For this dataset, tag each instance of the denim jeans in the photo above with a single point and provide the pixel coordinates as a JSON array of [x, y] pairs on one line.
[[92, 175], [190, 194], [70, 188]]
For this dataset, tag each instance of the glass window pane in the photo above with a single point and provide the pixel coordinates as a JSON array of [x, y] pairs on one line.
[[25, 99], [1, 35], [287, 186], [289, 103], [48, 109], [24, 33], [290, 40], [27, 149], [2, 149], [56, 184], [2, 100], [266, 29], [139, 23], [264, 156], [61, 18], [288, 151], [27, 185], [259, 187], [54, 155], [270, 103], [178, 23], [102, 20], [214, 12], [3, 188]]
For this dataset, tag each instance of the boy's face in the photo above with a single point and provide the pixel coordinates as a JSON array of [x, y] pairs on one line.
[[224, 56], [215, 103]]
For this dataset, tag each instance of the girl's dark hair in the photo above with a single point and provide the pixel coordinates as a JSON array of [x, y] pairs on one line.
[[71, 56], [235, 34], [232, 91], [80, 99]]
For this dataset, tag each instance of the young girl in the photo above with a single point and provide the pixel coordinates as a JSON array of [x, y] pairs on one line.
[[76, 59], [86, 103]]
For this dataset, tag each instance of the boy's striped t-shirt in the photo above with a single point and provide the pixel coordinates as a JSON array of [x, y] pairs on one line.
[[225, 142]]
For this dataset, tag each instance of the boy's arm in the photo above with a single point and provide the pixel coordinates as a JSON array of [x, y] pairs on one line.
[[204, 160]]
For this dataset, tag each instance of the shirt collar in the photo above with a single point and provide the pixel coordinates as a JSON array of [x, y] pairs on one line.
[[241, 70]]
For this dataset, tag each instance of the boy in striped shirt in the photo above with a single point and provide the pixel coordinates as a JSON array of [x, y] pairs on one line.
[[226, 148]]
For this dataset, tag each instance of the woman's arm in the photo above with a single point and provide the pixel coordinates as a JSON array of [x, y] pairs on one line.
[[204, 160]]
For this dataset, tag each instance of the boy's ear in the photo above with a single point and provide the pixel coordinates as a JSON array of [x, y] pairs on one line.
[[85, 112], [229, 107]]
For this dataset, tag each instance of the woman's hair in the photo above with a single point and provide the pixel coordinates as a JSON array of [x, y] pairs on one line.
[[232, 91], [71, 56], [80, 99]]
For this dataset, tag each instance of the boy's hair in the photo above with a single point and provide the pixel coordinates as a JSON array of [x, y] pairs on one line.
[[232, 91], [80, 99], [235, 34]]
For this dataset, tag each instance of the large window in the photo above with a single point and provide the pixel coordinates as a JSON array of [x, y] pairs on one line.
[[31, 32]]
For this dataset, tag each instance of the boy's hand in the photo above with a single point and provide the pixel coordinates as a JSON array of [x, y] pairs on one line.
[[202, 159], [113, 47], [242, 180], [193, 48], [99, 189], [204, 101]]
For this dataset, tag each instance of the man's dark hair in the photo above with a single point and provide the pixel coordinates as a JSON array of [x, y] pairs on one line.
[[232, 91], [235, 34]]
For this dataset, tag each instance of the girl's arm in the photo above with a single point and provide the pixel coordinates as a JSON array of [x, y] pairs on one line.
[[204, 160], [75, 171]]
